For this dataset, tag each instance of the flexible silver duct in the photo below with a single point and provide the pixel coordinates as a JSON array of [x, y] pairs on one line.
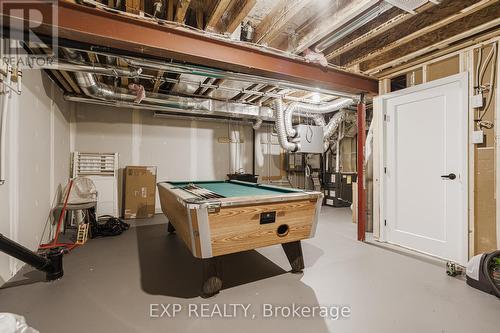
[[281, 130], [282, 122], [257, 124], [95, 89], [332, 126], [312, 111]]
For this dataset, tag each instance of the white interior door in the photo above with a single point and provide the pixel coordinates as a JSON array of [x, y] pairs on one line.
[[425, 169]]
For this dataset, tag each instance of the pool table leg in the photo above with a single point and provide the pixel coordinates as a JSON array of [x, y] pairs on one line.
[[212, 283], [170, 228], [293, 251]]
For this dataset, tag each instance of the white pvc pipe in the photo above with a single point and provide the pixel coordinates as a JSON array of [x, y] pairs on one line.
[[3, 127]]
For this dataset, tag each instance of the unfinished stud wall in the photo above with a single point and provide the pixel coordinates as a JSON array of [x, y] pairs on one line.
[[37, 163], [484, 225], [485, 204], [180, 149]]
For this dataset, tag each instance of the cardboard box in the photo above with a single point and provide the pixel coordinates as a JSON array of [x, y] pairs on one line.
[[139, 192]]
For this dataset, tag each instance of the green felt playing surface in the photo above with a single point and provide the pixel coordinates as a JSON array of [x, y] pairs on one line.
[[231, 189]]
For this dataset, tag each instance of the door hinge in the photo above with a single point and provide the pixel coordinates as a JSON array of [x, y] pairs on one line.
[[386, 118], [385, 170], [385, 223]]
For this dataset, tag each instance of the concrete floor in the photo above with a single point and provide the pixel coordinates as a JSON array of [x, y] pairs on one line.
[[110, 284]]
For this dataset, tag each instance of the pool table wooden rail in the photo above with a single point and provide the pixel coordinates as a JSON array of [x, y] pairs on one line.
[[216, 227]]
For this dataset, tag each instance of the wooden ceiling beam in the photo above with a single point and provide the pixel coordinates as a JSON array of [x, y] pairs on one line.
[[180, 13], [477, 22], [237, 13], [123, 80], [275, 22], [220, 8], [158, 81], [439, 53], [216, 82], [170, 10], [346, 11], [410, 28], [363, 34]]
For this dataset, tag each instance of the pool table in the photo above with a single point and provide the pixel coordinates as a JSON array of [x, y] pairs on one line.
[[215, 218]]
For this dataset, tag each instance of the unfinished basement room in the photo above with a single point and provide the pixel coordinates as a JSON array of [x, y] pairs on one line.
[[249, 166]]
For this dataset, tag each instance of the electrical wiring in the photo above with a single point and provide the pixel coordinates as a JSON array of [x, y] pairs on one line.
[[492, 81], [479, 88]]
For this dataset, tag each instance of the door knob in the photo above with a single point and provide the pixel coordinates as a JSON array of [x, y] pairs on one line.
[[450, 176]]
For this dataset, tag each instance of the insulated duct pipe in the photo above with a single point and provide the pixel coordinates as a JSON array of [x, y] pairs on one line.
[[95, 89], [328, 129], [312, 111], [281, 130]]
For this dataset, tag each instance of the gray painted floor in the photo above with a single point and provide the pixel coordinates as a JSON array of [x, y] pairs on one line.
[[110, 284]]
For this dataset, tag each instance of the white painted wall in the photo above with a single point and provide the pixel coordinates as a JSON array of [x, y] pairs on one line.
[[38, 163], [180, 149]]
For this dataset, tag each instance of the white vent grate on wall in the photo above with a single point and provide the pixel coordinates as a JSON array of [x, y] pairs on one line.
[[85, 164], [102, 169], [410, 5]]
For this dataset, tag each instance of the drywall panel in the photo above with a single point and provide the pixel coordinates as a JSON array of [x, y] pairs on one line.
[[181, 149], [101, 129], [37, 160], [194, 150], [34, 158], [5, 203]]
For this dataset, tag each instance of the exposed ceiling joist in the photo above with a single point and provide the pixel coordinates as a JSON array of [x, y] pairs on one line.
[[158, 81], [346, 11], [427, 16], [123, 79], [409, 64], [365, 33], [275, 22], [237, 13], [166, 42], [471, 25], [180, 13], [170, 10], [220, 8], [433, 27]]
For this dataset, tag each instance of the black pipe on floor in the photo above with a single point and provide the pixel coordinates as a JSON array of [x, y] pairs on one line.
[[51, 264]]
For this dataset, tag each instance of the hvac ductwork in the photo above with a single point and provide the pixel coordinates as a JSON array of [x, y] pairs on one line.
[[281, 130], [284, 124], [315, 112], [100, 93]]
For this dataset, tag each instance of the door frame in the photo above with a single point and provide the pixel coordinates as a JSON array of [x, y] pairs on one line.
[[379, 103]]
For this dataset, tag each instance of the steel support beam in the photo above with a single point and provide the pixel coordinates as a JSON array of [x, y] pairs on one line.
[[95, 26], [361, 171]]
